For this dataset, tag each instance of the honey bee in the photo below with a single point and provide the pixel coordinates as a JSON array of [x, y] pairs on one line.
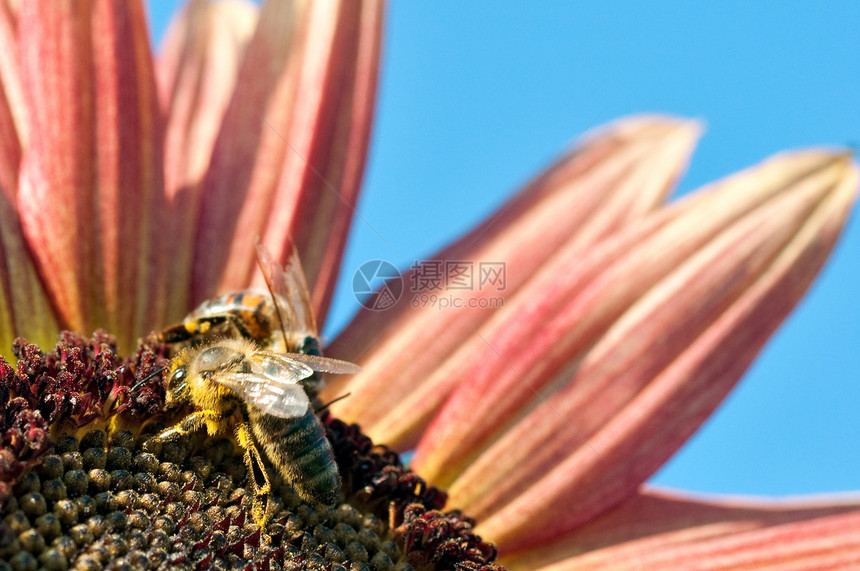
[[250, 314], [256, 394], [249, 364], [280, 319]]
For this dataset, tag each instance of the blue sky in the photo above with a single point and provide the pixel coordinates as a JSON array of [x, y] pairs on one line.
[[477, 97]]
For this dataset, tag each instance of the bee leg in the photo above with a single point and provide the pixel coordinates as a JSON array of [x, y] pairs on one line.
[[257, 474], [191, 423], [213, 420]]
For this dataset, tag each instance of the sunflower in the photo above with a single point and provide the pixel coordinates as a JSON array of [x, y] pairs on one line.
[[605, 326]]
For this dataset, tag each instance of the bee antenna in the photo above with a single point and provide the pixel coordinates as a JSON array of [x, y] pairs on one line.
[[147, 377], [331, 402]]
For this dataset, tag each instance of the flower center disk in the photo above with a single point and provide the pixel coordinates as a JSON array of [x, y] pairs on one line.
[[85, 483]]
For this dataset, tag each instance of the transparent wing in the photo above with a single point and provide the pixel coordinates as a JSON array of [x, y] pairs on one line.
[[280, 399], [287, 284], [272, 386], [280, 367], [324, 364]]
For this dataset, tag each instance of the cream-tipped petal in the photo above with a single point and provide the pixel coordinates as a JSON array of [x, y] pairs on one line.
[[91, 194], [662, 368], [663, 527], [197, 72], [288, 160], [617, 175]]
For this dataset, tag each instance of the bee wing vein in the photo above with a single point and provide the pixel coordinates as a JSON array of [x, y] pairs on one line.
[[281, 397], [325, 364]]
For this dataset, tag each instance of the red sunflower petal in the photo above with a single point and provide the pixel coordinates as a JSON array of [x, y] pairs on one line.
[[289, 158], [12, 108], [663, 367], [24, 306], [657, 529], [562, 312], [197, 72], [615, 176], [91, 197]]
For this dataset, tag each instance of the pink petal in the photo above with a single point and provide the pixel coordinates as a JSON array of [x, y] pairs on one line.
[[91, 197], [290, 155], [12, 109], [57, 173], [330, 203], [658, 373], [821, 544], [663, 530], [617, 175], [562, 312], [196, 74]]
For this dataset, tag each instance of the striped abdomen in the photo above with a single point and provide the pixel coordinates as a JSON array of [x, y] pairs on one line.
[[252, 313], [299, 450]]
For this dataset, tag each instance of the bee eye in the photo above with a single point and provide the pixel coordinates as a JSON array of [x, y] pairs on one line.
[[177, 378]]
